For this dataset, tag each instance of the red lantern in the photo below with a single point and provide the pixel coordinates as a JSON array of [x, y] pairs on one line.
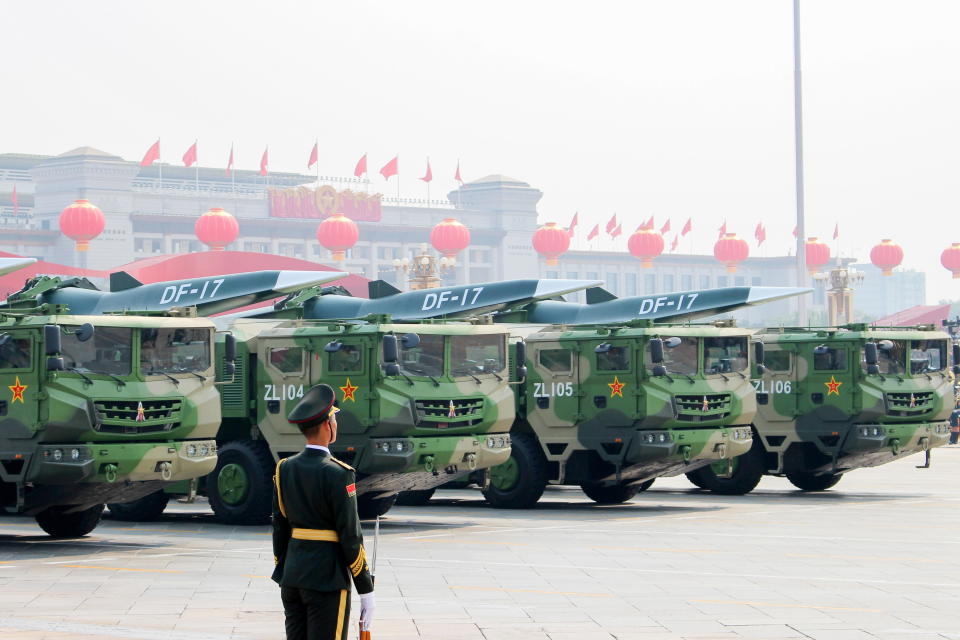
[[338, 233], [731, 250], [950, 259], [818, 254], [551, 242], [450, 237], [887, 255], [82, 222], [645, 244], [216, 228]]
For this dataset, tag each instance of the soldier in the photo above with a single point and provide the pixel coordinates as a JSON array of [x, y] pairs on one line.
[[317, 542]]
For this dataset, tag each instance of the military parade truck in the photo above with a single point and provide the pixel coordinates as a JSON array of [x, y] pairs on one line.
[[836, 399], [612, 408], [420, 404], [100, 408]]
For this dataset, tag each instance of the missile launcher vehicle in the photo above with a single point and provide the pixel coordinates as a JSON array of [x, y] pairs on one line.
[[832, 400]]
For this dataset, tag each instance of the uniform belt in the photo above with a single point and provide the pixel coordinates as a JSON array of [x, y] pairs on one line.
[[322, 535]]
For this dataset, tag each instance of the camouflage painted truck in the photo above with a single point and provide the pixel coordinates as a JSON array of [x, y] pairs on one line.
[[100, 408], [420, 404], [612, 408], [837, 399]]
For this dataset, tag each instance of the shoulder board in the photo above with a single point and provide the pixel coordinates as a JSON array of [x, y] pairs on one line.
[[341, 463]]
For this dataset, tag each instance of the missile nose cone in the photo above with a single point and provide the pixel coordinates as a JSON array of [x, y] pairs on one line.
[[550, 288], [8, 265], [290, 281], [759, 295]]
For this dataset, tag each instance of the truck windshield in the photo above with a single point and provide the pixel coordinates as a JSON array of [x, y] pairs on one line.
[[681, 358], [927, 355], [108, 351], [425, 359], [725, 355], [891, 357], [179, 350], [474, 355]]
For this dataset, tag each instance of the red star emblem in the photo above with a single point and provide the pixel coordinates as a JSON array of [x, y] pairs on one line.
[[833, 387], [17, 390], [913, 401], [140, 417], [349, 391], [452, 410], [616, 387]]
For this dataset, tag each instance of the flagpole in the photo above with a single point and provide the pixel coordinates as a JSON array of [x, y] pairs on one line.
[[802, 278], [196, 164], [160, 172]]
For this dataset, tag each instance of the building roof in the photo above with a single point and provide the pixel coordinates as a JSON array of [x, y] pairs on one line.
[[497, 178], [920, 314], [87, 151]]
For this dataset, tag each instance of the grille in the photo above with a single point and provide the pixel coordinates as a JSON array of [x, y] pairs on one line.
[[120, 416], [234, 395], [702, 407], [909, 404], [465, 412]]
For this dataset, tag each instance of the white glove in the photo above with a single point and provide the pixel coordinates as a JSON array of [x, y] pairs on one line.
[[367, 607]]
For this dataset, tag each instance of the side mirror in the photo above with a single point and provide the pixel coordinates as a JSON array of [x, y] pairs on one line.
[[51, 339], [84, 332], [229, 349], [390, 352], [873, 369], [956, 369], [333, 346], [410, 340], [870, 355], [759, 354], [229, 369], [521, 361], [55, 363], [656, 354], [391, 369], [956, 354], [659, 370]]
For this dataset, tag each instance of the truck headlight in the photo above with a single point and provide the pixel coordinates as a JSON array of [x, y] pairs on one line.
[[191, 450], [58, 454], [74, 454]]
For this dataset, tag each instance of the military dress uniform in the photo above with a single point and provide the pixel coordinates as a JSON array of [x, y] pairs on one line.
[[317, 540]]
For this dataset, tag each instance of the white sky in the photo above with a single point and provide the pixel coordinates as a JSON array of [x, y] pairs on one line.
[[674, 108]]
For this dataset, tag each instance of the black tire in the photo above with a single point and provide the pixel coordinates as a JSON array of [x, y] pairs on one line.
[[145, 509], [530, 477], [747, 472], [806, 481], [58, 524], [240, 488], [415, 498], [614, 494], [369, 508]]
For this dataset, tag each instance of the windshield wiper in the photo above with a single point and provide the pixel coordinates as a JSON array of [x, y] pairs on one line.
[[86, 380], [467, 373], [158, 372], [120, 382], [422, 372]]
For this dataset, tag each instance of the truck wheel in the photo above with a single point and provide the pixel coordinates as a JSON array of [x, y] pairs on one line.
[[519, 482], [747, 471], [415, 498], [806, 481], [240, 488], [145, 509], [58, 524], [369, 508], [614, 494]]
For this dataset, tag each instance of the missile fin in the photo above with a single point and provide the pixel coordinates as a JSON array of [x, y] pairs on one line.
[[121, 281], [599, 294], [381, 289]]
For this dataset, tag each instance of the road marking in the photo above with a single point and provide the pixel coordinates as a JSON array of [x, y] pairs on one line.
[[557, 593], [89, 566], [72, 630], [789, 605]]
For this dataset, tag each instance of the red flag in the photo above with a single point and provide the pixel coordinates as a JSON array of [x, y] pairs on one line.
[[594, 232], [152, 155], [649, 223], [456, 176], [836, 231], [313, 156], [665, 228], [190, 157], [616, 232], [573, 223], [392, 168], [687, 227], [723, 228], [264, 160], [760, 233], [230, 162], [361, 167], [428, 176], [673, 245], [16, 203], [612, 224]]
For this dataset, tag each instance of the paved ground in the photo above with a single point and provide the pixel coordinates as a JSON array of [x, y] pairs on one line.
[[877, 557]]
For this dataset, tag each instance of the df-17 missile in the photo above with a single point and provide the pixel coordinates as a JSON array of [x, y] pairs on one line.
[[13, 264], [603, 307], [210, 295], [442, 302]]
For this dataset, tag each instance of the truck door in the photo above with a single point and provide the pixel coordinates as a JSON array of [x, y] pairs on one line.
[[344, 365], [610, 387], [827, 388], [777, 388], [552, 388], [282, 379], [19, 391]]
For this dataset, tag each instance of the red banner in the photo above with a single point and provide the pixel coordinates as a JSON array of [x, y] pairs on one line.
[[302, 202]]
